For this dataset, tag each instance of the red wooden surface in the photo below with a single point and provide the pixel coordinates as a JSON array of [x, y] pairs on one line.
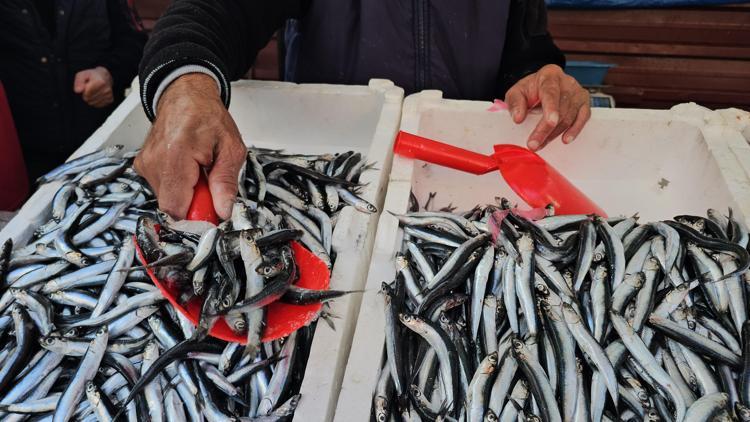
[[664, 56]]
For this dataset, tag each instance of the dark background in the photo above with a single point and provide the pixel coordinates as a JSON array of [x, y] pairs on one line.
[[663, 56]]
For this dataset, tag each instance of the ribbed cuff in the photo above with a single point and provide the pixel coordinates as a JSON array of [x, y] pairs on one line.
[[154, 81], [180, 71]]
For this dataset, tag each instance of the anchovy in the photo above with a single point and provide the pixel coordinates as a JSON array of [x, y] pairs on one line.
[[16, 361], [85, 373], [540, 386], [641, 353]]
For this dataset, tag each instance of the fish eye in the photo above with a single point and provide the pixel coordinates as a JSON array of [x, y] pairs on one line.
[[49, 341], [226, 302], [381, 417]]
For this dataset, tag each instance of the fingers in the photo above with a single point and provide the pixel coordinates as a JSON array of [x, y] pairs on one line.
[[517, 102], [549, 93], [79, 83], [222, 178], [581, 118], [172, 176], [102, 100], [565, 105], [94, 90]]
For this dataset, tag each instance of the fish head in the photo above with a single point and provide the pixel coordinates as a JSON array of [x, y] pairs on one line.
[[102, 331], [525, 242], [151, 350], [517, 344], [652, 415], [651, 264], [401, 262], [600, 272], [381, 409], [239, 325], [638, 279], [492, 359], [542, 290], [415, 391], [270, 269], [568, 277], [50, 342], [407, 319], [743, 412], [91, 389]]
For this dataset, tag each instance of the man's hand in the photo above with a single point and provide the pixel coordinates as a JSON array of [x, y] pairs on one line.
[[95, 86], [565, 105], [192, 130]]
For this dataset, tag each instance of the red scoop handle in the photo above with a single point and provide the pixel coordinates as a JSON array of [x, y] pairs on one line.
[[202, 205], [417, 147], [530, 176]]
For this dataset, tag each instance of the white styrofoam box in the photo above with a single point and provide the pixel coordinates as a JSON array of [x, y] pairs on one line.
[[656, 163], [299, 119]]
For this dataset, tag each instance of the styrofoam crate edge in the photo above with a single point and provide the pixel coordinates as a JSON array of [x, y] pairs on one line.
[[352, 241], [363, 365], [330, 348], [732, 154]]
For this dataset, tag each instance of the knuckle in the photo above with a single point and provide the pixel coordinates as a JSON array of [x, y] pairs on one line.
[[224, 176]]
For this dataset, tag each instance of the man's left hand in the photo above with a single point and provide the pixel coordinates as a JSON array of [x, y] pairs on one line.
[[565, 105], [95, 86]]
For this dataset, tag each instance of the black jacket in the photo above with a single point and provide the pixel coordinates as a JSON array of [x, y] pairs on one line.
[[472, 49], [37, 69]]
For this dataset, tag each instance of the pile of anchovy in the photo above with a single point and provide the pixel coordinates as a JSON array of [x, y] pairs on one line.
[[494, 316], [87, 336]]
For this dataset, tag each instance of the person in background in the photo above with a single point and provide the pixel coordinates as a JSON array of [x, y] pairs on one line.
[[469, 49], [65, 65]]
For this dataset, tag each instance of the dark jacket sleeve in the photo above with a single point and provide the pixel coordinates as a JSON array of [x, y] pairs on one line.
[[528, 44], [223, 36], [126, 45]]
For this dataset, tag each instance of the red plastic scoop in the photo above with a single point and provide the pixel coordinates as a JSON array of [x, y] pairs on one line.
[[532, 178], [281, 319]]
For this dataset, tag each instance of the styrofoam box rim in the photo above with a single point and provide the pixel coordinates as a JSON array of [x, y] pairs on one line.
[[352, 239], [724, 141]]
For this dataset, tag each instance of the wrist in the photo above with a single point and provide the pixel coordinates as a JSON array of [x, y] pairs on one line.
[[197, 85]]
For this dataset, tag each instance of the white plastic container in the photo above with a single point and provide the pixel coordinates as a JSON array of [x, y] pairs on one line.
[[656, 163], [300, 119]]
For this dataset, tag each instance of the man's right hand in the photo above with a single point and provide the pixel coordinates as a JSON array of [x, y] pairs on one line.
[[192, 129]]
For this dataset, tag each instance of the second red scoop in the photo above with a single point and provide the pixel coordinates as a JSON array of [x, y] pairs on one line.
[[529, 175], [282, 319]]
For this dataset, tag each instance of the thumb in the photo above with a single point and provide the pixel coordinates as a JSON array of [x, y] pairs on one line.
[[79, 84], [222, 179]]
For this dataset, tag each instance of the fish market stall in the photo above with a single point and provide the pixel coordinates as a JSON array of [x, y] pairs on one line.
[[475, 264], [78, 276]]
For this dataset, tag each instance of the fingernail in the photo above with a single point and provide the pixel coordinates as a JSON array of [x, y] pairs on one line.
[[533, 145], [569, 139], [516, 114], [553, 118]]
